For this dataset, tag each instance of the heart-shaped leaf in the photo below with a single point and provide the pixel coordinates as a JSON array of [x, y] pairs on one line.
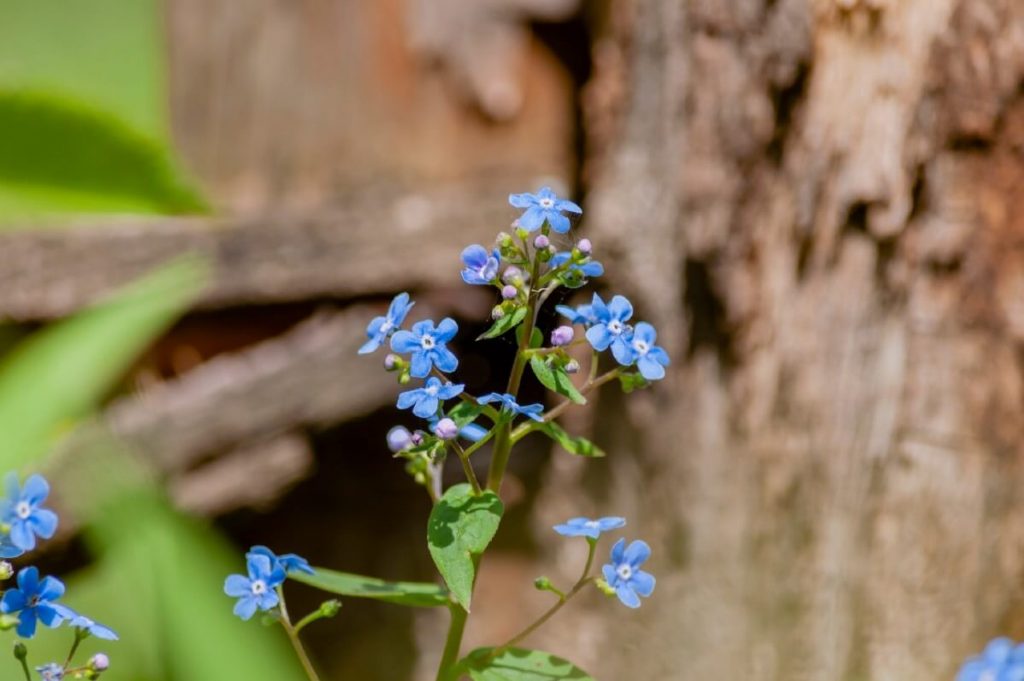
[[461, 526]]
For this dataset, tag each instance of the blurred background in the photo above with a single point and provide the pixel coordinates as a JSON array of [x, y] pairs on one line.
[[817, 202]]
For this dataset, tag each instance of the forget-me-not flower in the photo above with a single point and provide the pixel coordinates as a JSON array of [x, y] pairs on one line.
[[624, 574], [22, 510], [582, 314], [651, 359], [425, 401], [611, 328], [51, 672], [590, 268], [258, 590], [508, 402], [79, 621], [585, 527], [381, 327], [544, 205], [290, 562], [1000, 660], [426, 344], [481, 267], [33, 600]]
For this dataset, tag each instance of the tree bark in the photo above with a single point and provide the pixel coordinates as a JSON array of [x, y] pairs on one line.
[[829, 192]]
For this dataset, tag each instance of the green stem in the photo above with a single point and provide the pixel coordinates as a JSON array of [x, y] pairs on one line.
[[467, 467], [293, 638], [453, 642], [24, 668], [74, 648], [528, 427]]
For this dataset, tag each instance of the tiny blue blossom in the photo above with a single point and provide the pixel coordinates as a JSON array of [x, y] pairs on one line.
[[624, 574], [585, 527], [1000, 660], [544, 206], [33, 600], [650, 358], [290, 562], [611, 328], [78, 621], [508, 402], [257, 591], [481, 267], [583, 314], [425, 401], [426, 344], [51, 672], [381, 327], [590, 268], [22, 511]]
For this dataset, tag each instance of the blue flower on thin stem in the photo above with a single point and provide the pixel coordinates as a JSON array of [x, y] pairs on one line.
[[590, 268], [611, 328], [427, 346], [290, 562], [650, 358], [51, 672], [90, 626], [22, 511], [33, 600], [381, 327], [583, 314], [257, 591], [508, 403], [481, 266], [585, 527], [624, 574], [544, 206], [1000, 660], [425, 401]]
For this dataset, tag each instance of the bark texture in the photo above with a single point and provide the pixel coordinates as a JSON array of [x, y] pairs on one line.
[[830, 192]]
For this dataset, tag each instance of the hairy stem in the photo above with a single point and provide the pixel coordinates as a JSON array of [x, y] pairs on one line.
[[467, 467], [293, 638]]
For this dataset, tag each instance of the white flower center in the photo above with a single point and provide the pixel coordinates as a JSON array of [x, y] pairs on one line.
[[23, 510], [259, 587], [615, 326], [427, 343], [546, 203], [592, 524], [624, 572], [386, 326], [432, 390], [640, 347]]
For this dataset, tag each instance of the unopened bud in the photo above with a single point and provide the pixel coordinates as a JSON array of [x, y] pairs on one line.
[[512, 274], [504, 238], [584, 246], [446, 429], [20, 651], [6, 570], [497, 313], [605, 587], [399, 438], [391, 361], [417, 438], [542, 241], [542, 584], [572, 367], [330, 608], [99, 662], [563, 335], [509, 292]]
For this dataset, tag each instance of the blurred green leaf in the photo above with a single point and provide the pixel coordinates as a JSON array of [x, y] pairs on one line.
[[580, 446], [60, 374], [518, 664], [419, 594], [460, 527]]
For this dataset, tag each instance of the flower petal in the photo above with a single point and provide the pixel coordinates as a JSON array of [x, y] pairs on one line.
[[43, 522], [617, 550], [568, 206], [645, 332], [622, 351], [642, 582], [409, 398], [36, 490], [444, 359], [475, 256], [446, 330], [426, 407], [245, 607], [522, 200], [558, 222], [405, 341], [237, 586], [626, 594], [620, 308], [599, 336], [637, 552], [532, 219], [420, 365], [650, 369], [50, 589]]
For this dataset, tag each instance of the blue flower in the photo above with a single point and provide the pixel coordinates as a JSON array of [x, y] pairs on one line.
[[427, 346], [624, 574], [590, 268], [290, 562], [84, 623], [508, 402], [51, 672], [33, 600], [1000, 661], [585, 527], [257, 591], [544, 205], [473, 432], [611, 328], [381, 327], [22, 511], [584, 314], [650, 358], [481, 266], [425, 401]]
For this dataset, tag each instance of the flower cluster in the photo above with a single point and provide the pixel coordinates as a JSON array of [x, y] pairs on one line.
[[622, 576], [607, 326], [265, 573], [37, 599], [1001, 660]]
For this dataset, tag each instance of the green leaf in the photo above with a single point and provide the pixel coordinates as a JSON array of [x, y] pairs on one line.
[[574, 445], [461, 526], [555, 378], [632, 381], [536, 337], [418, 594], [465, 413], [505, 324], [517, 664], [60, 374]]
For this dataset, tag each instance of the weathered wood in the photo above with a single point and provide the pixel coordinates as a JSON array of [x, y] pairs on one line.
[[377, 243]]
